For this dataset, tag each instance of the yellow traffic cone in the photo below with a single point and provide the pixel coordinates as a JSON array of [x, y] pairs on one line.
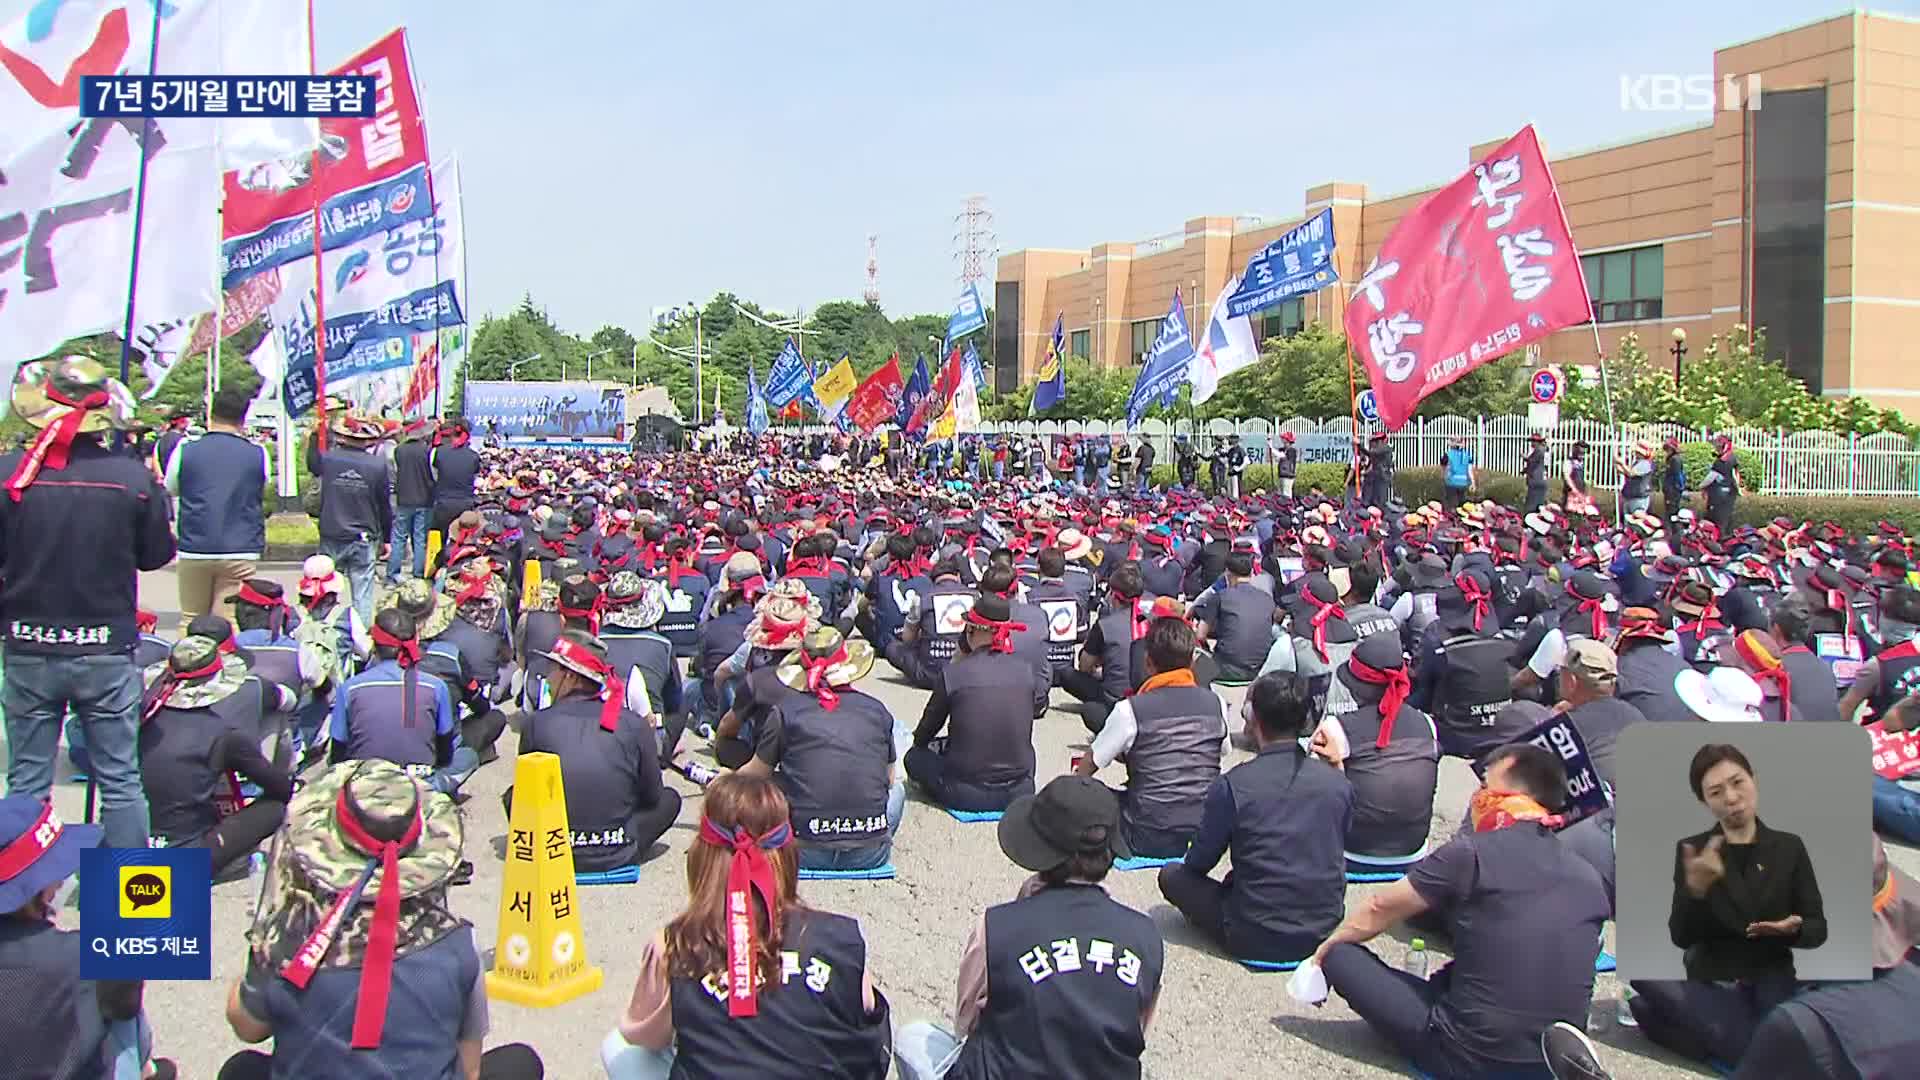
[[539, 958]]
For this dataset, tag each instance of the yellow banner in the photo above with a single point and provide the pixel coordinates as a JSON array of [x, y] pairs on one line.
[[539, 959], [835, 386]]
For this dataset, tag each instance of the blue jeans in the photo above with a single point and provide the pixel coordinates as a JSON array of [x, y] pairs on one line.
[[354, 558], [1896, 811], [625, 1061], [447, 779], [104, 693], [409, 526], [130, 1043], [923, 1051]]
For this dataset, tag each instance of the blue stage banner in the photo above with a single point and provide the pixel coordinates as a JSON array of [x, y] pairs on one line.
[[522, 412], [788, 378], [363, 342], [1298, 261], [146, 913], [347, 218]]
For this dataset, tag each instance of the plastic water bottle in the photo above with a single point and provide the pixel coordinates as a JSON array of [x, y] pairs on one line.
[[1623, 1014], [1417, 959], [256, 864]]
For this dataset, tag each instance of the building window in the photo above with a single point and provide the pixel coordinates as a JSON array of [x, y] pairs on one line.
[[1284, 321], [1145, 332], [1080, 344], [1626, 285]]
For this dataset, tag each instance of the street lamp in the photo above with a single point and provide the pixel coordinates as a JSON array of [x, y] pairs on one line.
[[1679, 352], [513, 367], [590, 356]]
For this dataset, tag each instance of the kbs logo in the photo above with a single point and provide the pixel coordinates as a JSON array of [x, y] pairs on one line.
[[1688, 93]]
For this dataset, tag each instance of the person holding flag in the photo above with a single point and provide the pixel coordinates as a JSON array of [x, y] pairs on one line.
[[756, 404]]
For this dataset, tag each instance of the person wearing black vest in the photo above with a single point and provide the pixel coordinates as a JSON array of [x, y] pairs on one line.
[[1894, 673], [1392, 759], [932, 634], [834, 753], [1103, 674], [892, 592], [567, 599], [985, 697], [1648, 666], [1525, 916], [1286, 463], [812, 562], [1239, 619], [770, 987], [1170, 734], [633, 607], [1030, 634], [1816, 696], [721, 635], [62, 1026], [1063, 609], [356, 506], [782, 618], [688, 593], [399, 991], [1284, 815], [192, 757], [455, 466], [412, 506], [390, 712], [609, 755], [1061, 982], [218, 479], [1463, 681]]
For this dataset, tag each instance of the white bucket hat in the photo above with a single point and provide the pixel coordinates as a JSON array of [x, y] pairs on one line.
[[1724, 695]]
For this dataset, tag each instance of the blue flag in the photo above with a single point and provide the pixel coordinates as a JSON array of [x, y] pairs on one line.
[[788, 377], [969, 314], [1053, 371], [975, 368], [1166, 366], [918, 387], [1298, 261], [757, 421]]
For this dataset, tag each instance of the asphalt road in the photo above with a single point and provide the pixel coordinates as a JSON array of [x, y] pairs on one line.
[[1214, 1018]]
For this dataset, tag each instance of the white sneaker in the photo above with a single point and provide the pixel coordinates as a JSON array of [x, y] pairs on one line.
[[1570, 1054]]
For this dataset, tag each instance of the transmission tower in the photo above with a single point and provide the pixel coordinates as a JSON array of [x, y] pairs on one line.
[[872, 291], [974, 244]]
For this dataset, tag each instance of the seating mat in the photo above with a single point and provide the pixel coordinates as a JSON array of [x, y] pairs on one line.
[[1268, 965], [1375, 876], [1604, 962], [1143, 862], [974, 815], [619, 875], [882, 872]]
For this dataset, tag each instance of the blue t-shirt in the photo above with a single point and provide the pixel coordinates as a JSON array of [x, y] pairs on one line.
[[1459, 466]]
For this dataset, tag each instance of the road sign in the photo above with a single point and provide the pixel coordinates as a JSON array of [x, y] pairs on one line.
[[1546, 386], [1368, 405]]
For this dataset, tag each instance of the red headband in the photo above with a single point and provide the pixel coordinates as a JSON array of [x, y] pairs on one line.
[[54, 444], [1592, 605], [1398, 685], [406, 650], [816, 668], [1003, 630], [27, 848], [750, 871], [779, 632], [383, 933], [613, 689], [591, 612], [1476, 597], [171, 680], [1322, 612]]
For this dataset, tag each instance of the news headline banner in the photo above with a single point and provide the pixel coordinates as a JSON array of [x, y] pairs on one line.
[[146, 913], [214, 96]]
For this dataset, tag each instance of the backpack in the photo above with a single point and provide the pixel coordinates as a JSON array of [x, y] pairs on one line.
[[320, 649]]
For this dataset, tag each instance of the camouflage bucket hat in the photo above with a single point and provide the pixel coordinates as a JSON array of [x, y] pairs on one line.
[[194, 653], [634, 602], [385, 792], [782, 616], [483, 612], [38, 386], [415, 596]]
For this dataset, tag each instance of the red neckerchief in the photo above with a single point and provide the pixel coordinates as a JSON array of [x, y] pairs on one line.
[[809, 567], [591, 613], [1142, 614], [54, 445], [1593, 607], [1476, 597], [1707, 622], [171, 680], [1002, 631], [383, 933], [1321, 613], [613, 689], [1398, 683], [676, 571], [749, 872], [146, 622], [558, 547]]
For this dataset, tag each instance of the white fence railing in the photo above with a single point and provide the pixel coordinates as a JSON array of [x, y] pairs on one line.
[[1791, 463]]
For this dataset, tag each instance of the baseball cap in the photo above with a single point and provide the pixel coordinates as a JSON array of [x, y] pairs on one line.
[[1592, 659]]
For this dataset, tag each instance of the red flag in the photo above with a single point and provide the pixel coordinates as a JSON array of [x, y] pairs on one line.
[[791, 410], [877, 400], [1485, 266], [425, 377], [945, 385]]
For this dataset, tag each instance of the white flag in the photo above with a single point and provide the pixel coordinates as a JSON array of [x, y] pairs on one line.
[[1225, 348], [263, 37]]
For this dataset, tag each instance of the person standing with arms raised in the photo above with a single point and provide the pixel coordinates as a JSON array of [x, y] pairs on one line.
[[78, 523]]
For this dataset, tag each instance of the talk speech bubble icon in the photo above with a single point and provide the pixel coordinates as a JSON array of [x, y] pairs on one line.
[[142, 889]]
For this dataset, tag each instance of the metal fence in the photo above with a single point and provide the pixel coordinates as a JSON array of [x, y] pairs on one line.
[[1791, 463]]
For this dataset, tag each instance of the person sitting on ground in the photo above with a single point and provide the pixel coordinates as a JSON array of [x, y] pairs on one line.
[[1102, 676], [720, 636], [1170, 734], [931, 636], [443, 659], [1391, 757], [1524, 915], [570, 601], [1284, 817], [61, 1025], [1645, 652], [609, 757], [469, 615], [395, 989], [835, 753], [1894, 672], [192, 759], [1816, 696], [1757, 654], [985, 699], [644, 657], [1239, 620], [1061, 982], [782, 619], [394, 712], [747, 980]]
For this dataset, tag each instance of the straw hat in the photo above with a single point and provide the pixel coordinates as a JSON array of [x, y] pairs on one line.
[[789, 602], [825, 641], [72, 378], [1073, 543]]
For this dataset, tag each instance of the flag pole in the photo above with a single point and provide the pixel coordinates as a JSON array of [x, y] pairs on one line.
[[139, 217], [219, 298], [319, 280]]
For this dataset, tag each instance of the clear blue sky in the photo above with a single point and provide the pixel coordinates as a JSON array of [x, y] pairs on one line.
[[617, 156]]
